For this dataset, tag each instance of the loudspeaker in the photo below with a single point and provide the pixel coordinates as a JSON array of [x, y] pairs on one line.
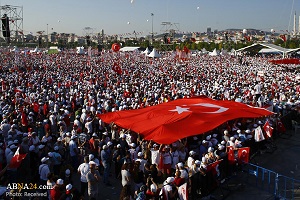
[[40, 41], [5, 26], [88, 40]]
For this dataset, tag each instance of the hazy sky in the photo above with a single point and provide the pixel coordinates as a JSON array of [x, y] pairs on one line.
[[122, 16]]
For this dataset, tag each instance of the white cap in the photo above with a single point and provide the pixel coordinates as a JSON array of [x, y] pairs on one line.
[[94, 135], [223, 142], [91, 157], [170, 180], [210, 149], [50, 154], [132, 145], [9, 143], [105, 133], [192, 153], [59, 139], [68, 133], [197, 162], [118, 146], [44, 159], [232, 138], [180, 164], [208, 137], [109, 143], [13, 146], [67, 172], [155, 145], [238, 131], [104, 147], [225, 132], [140, 154], [247, 131], [69, 187], [221, 147], [60, 182]]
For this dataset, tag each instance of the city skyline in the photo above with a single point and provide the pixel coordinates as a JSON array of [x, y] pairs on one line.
[[127, 16]]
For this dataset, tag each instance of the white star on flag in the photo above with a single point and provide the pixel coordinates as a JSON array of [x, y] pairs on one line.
[[180, 110]]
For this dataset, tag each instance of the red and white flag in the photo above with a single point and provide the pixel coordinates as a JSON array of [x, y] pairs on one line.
[[167, 122], [280, 126], [258, 134], [243, 154], [214, 168], [17, 159], [268, 129], [183, 192]]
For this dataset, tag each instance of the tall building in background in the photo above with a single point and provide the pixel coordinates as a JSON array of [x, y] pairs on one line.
[[208, 31]]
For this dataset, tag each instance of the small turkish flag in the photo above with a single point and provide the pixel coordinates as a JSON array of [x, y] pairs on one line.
[[17, 159], [214, 168], [243, 155], [268, 129]]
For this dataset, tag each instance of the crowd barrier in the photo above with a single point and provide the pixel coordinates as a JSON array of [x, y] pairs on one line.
[[280, 186]]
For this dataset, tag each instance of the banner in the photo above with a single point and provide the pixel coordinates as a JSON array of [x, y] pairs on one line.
[[258, 134], [183, 192]]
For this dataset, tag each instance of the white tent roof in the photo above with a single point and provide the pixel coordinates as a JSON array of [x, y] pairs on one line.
[[214, 53], [154, 54], [129, 48], [15, 49], [147, 51], [80, 50]]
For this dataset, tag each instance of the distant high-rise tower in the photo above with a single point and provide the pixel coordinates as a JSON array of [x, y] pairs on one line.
[[208, 31]]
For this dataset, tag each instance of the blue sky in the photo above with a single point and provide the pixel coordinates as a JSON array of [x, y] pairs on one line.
[[72, 16]]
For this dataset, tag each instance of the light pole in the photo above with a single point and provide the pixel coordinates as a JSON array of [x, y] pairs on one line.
[[47, 39], [152, 36]]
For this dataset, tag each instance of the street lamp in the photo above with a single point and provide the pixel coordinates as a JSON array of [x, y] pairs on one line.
[[152, 36], [47, 39]]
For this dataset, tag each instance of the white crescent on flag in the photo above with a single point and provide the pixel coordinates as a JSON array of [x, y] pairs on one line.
[[221, 109]]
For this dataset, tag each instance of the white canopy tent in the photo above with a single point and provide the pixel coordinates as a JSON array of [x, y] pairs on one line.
[[154, 54], [80, 50], [214, 53], [129, 49], [147, 51]]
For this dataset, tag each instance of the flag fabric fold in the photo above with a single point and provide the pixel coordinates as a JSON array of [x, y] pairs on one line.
[[168, 122]]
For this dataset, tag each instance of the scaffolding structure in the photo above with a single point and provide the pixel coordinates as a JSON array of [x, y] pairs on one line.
[[15, 15]]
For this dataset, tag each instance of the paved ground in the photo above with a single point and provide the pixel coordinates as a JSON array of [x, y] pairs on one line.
[[285, 160]]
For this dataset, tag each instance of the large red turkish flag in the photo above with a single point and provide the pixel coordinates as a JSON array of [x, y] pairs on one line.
[[168, 122]]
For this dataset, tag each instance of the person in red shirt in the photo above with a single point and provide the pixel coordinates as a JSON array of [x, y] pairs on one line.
[[92, 144], [57, 191], [178, 181]]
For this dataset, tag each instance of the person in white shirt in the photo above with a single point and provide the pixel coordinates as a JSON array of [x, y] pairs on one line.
[[44, 170], [155, 153], [175, 157], [191, 160], [73, 151], [167, 160], [83, 169]]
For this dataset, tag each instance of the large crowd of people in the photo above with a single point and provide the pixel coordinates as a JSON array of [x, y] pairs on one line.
[[51, 106]]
